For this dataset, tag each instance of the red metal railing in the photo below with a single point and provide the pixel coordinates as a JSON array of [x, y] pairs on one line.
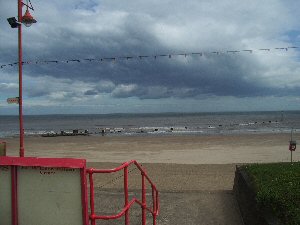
[[128, 204]]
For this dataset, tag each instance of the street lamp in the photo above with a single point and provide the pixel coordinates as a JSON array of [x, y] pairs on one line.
[[27, 20]]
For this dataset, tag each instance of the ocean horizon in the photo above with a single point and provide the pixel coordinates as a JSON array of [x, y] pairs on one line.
[[179, 123]]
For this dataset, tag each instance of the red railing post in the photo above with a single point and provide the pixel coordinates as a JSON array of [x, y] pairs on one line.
[[126, 194], [157, 202], [154, 205], [92, 200], [143, 199]]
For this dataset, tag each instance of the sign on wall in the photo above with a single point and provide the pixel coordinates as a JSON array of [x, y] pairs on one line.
[[53, 194]]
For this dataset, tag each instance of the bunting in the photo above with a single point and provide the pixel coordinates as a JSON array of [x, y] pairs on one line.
[[141, 57]]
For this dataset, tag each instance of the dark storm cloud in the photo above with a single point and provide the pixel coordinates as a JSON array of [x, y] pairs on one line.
[[178, 77]]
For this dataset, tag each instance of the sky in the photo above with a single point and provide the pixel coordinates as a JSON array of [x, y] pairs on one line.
[[96, 29]]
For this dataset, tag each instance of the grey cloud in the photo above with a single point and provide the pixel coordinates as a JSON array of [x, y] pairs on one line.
[[124, 90], [107, 28], [91, 92], [8, 86], [105, 86]]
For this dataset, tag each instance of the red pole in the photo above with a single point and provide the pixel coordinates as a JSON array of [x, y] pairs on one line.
[[126, 194], [22, 150], [143, 200]]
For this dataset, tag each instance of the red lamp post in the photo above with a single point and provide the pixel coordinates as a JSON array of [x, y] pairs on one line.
[[27, 20]]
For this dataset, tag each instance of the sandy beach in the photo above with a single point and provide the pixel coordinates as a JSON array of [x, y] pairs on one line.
[[194, 174], [222, 149]]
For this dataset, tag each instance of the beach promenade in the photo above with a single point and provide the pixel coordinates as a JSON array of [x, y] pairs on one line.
[[194, 174]]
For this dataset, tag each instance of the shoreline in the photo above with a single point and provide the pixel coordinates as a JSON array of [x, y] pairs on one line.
[[160, 134], [156, 131], [178, 149]]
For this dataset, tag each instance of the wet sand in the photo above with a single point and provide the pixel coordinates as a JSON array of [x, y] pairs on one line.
[[233, 149]]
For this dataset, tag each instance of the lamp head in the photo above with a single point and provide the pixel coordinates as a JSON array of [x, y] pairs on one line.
[[27, 19]]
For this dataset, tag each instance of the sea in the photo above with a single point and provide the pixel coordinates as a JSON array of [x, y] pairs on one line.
[[216, 123]]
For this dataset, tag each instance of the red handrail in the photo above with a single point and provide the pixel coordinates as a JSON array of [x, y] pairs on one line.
[[127, 206]]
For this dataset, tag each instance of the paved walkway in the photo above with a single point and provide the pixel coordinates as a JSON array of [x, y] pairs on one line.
[[177, 208], [189, 195]]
